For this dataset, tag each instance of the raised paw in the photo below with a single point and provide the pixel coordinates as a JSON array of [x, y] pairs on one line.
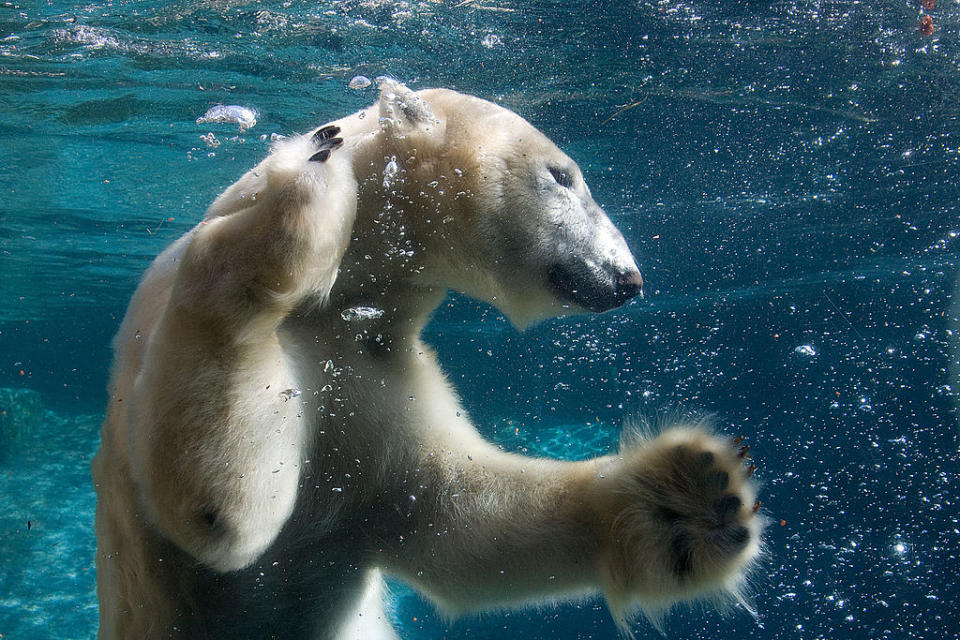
[[326, 141], [703, 504], [686, 519]]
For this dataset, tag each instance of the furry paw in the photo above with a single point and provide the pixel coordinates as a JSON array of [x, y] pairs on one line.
[[684, 522]]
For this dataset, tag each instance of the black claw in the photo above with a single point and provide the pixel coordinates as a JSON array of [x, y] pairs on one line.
[[326, 142], [727, 507], [325, 148], [320, 156], [757, 505], [745, 452], [751, 469], [737, 440], [325, 133]]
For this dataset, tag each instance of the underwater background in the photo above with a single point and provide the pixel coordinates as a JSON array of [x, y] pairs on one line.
[[786, 173]]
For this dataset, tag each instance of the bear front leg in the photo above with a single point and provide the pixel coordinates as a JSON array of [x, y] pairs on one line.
[[669, 519], [216, 428]]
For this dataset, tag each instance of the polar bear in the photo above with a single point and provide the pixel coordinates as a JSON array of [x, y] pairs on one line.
[[278, 437]]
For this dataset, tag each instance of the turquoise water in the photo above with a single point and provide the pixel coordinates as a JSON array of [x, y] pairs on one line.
[[786, 173]]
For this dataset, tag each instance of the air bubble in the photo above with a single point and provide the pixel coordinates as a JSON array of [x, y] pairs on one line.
[[807, 350], [243, 117], [491, 40], [359, 82], [390, 172], [210, 140], [354, 314], [286, 394]]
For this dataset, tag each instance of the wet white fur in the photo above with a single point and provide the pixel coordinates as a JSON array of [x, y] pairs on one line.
[[257, 443]]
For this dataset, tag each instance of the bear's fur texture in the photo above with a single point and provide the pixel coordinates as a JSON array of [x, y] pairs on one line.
[[271, 447]]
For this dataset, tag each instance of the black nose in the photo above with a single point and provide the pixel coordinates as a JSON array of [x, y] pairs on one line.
[[629, 285]]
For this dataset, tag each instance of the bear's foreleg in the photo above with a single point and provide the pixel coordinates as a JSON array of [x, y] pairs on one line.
[[275, 246], [668, 519], [217, 437]]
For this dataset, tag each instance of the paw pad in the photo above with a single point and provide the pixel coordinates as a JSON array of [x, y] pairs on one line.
[[727, 508], [707, 518]]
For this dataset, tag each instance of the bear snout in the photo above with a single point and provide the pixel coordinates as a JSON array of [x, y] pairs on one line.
[[592, 290], [629, 285]]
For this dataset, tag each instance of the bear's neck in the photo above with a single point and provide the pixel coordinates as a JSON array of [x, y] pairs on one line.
[[386, 283]]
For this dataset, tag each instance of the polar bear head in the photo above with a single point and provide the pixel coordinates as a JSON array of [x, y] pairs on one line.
[[496, 210]]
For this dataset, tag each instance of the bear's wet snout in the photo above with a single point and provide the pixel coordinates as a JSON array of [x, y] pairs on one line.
[[629, 285], [592, 290]]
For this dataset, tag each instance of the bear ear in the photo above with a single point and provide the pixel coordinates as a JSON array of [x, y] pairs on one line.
[[402, 111]]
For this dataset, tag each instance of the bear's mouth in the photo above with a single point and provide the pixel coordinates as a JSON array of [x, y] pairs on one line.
[[579, 284]]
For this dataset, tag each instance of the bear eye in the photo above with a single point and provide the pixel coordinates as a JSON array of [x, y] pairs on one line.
[[563, 178]]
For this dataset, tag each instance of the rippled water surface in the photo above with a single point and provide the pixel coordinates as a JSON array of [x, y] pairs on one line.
[[786, 173]]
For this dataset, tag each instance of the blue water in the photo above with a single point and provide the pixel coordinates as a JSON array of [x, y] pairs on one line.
[[786, 172]]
